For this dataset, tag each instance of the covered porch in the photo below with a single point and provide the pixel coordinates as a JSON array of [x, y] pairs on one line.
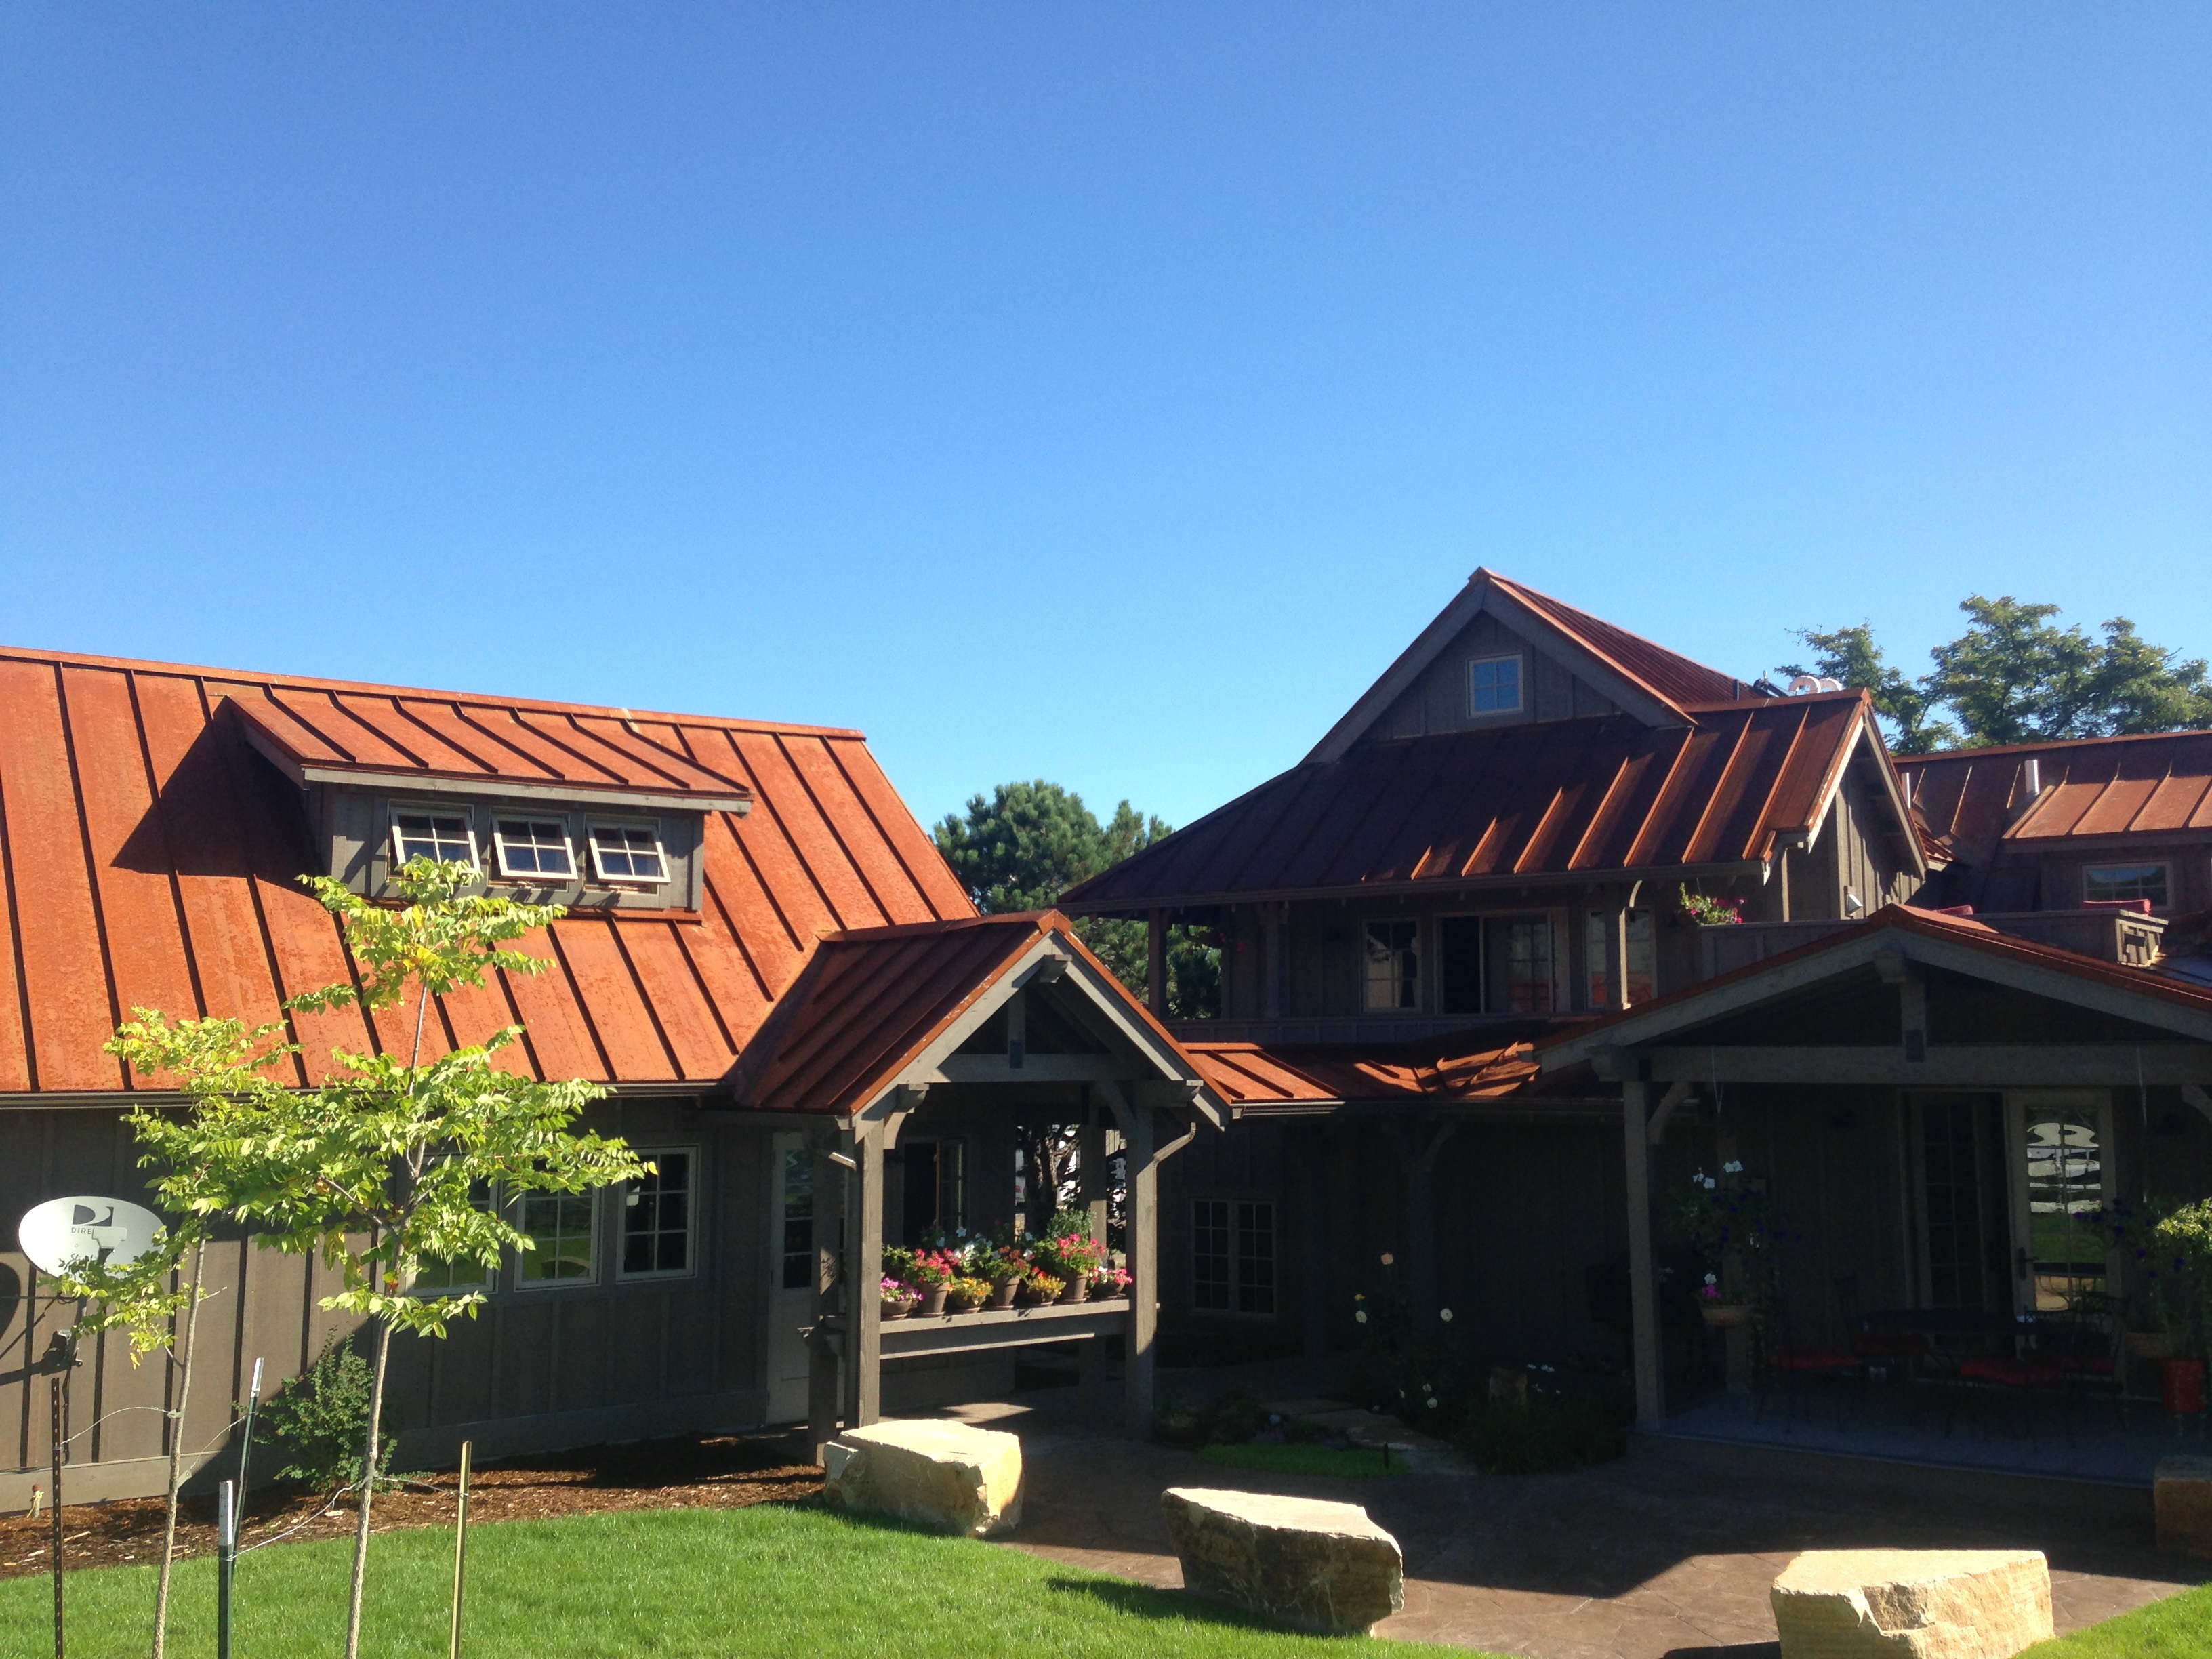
[[1927, 1125], [920, 1078]]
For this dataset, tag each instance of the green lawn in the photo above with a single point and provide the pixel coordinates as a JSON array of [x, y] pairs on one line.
[[2179, 1627], [1305, 1460], [771, 1581]]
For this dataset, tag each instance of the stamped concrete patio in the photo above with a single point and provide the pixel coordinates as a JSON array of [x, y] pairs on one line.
[[1638, 1559]]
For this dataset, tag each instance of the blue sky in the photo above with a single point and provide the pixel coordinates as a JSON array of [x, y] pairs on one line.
[[1103, 393]]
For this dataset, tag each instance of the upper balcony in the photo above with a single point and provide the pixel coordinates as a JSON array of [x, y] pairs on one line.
[[2125, 936]]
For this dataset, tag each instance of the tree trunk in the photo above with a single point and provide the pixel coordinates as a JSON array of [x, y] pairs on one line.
[[367, 1489], [176, 1452]]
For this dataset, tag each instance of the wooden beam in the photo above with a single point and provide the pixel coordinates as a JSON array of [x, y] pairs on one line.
[[1035, 1068], [1156, 962], [863, 1235], [2196, 1096], [1143, 1224], [2012, 1066], [1090, 1172], [1677, 1093], [822, 1347], [1643, 1269]]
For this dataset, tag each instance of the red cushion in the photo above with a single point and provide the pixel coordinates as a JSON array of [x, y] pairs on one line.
[[2011, 1373], [1811, 1359]]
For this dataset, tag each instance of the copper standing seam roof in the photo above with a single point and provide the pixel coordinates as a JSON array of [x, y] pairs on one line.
[[1252, 1076], [1559, 797], [149, 857], [873, 999], [1667, 674], [1929, 924], [2126, 786]]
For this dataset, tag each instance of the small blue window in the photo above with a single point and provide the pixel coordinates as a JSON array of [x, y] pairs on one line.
[[1493, 684]]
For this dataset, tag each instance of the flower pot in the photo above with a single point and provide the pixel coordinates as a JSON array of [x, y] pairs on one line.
[[932, 1300], [2181, 1386], [1725, 1315], [896, 1309], [1078, 1289], [2149, 1344], [1003, 1293], [1038, 1295]]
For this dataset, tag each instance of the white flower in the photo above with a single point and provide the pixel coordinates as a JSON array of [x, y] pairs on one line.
[[1736, 1167], [1712, 1279], [1432, 1405], [1445, 1314], [1361, 1315], [1711, 1183]]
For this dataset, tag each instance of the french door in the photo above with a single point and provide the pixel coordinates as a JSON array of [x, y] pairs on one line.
[[2062, 1174], [791, 1268]]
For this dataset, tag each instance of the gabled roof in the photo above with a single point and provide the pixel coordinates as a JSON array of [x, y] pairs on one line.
[[1654, 684], [879, 1005], [1513, 804], [1954, 942], [1255, 1076], [2158, 783], [150, 857]]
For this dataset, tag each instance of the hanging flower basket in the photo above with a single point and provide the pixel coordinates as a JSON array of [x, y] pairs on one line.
[[1725, 1315]]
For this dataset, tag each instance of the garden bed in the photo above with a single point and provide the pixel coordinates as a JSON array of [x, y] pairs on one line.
[[683, 1471]]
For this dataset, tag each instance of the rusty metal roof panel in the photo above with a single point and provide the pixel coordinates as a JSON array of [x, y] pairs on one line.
[[1536, 801], [2155, 783], [1669, 673], [1255, 1076], [154, 857]]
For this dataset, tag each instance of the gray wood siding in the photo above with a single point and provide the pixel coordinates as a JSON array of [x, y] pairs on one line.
[[536, 1369], [1437, 700]]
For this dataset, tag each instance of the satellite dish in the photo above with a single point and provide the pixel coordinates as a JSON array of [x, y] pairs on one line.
[[63, 1232]]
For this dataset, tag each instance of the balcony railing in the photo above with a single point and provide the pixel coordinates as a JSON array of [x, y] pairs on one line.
[[2118, 936]]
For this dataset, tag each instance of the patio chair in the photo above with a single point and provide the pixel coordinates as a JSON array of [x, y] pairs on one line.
[[1794, 1368]]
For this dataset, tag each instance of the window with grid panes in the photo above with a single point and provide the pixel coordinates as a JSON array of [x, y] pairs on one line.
[[533, 847], [1528, 965], [559, 1226], [1232, 1242], [798, 1220], [437, 1276], [2110, 883], [657, 1217], [445, 836], [1393, 965], [628, 852]]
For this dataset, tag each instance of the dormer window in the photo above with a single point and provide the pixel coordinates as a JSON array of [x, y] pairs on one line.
[[1493, 685], [628, 852], [445, 837], [533, 847]]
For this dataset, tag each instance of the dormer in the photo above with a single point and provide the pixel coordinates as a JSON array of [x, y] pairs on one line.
[[1503, 654], [550, 812]]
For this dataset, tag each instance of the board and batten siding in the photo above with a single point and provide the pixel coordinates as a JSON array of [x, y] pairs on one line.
[[536, 1369], [1437, 700]]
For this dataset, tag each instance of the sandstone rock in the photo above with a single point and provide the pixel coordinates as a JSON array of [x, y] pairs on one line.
[[2183, 1492], [1320, 1566], [1912, 1604], [947, 1476]]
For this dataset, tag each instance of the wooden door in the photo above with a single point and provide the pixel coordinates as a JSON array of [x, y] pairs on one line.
[[791, 1268]]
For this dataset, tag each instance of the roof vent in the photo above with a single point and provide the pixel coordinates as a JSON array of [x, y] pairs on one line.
[[1805, 684]]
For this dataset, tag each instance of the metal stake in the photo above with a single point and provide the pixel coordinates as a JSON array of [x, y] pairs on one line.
[[60, 1437], [226, 1563], [246, 1441], [460, 1551]]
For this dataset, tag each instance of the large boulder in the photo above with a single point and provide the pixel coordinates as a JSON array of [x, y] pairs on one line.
[[2182, 1491], [1320, 1566], [1912, 1604], [946, 1476]]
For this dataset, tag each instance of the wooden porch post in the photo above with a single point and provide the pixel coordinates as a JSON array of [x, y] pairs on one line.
[[1156, 962], [1418, 1158], [1314, 1229], [1144, 1220], [864, 1251], [1643, 1268], [1091, 1170], [822, 1357]]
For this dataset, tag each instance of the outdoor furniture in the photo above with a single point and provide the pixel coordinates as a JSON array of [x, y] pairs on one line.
[[1321, 1566], [1912, 1604]]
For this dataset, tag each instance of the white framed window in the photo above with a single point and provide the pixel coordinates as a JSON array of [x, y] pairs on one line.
[[438, 1276], [1641, 963], [533, 847], [1493, 685], [657, 1216], [1527, 950], [1232, 1256], [421, 832], [1392, 955], [628, 852], [562, 1227], [2108, 883]]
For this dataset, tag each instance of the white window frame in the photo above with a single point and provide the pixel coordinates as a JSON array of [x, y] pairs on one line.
[[2164, 866], [443, 810], [1519, 702], [592, 828], [620, 1230], [1421, 975], [488, 1284], [1235, 1258], [524, 1258], [1557, 943], [542, 878]]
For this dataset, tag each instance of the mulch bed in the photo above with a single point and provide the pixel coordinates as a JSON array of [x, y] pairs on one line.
[[685, 1472]]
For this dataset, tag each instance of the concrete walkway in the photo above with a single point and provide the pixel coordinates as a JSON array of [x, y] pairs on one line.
[[1634, 1560]]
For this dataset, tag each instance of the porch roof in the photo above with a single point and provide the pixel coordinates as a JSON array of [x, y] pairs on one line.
[[2157, 783], [1893, 936], [878, 1007], [1256, 1078]]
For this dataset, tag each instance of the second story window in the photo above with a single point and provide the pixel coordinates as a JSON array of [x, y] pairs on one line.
[[1393, 965], [628, 852], [445, 836], [2110, 883], [1528, 965], [533, 847], [1493, 685]]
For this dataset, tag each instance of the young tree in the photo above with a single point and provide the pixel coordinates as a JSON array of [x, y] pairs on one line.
[[380, 1169], [1028, 844], [2015, 675]]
